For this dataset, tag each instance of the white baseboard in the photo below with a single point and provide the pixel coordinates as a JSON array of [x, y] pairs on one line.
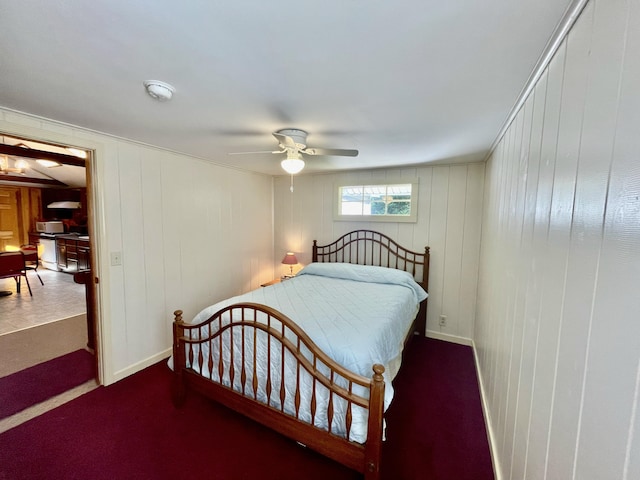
[[136, 367], [487, 418], [449, 338]]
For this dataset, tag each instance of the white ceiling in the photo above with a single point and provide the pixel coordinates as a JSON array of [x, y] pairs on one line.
[[404, 82]]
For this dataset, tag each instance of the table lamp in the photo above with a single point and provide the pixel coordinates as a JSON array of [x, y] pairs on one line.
[[291, 260]]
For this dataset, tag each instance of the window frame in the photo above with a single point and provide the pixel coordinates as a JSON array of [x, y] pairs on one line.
[[411, 218]]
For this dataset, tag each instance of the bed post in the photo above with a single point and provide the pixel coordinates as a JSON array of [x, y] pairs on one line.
[[178, 389], [425, 269], [422, 313], [373, 447], [314, 253]]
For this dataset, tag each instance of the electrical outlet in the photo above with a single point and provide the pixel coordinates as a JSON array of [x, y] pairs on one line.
[[116, 259], [443, 320]]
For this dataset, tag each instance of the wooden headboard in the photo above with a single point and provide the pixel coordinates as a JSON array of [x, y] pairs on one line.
[[366, 247]]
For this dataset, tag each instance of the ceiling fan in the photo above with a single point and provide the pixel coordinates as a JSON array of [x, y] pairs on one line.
[[293, 142]]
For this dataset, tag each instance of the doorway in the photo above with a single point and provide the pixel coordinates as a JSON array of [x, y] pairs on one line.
[[54, 319]]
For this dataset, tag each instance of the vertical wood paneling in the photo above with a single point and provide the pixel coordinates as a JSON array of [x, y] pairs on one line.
[[449, 217], [519, 285], [547, 332], [557, 337], [631, 467], [454, 237], [171, 255], [514, 286], [113, 305], [470, 250], [531, 288], [153, 250], [612, 114], [574, 311], [489, 283], [437, 242], [504, 335], [424, 204], [132, 257], [190, 233]]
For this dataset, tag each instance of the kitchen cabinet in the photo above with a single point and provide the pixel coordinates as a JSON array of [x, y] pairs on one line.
[[84, 256], [34, 238], [61, 253], [73, 253]]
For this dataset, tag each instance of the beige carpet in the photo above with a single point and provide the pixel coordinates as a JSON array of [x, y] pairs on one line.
[[33, 345], [30, 346]]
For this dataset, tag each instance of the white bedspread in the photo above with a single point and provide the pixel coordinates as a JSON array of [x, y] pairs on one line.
[[358, 315]]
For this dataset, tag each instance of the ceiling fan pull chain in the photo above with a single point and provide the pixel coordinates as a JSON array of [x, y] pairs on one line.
[[291, 187]]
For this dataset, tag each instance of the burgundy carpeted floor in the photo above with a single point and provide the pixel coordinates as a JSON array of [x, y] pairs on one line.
[[435, 425], [43, 381], [131, 430]]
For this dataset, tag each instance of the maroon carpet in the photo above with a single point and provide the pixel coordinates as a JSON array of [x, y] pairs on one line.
[[435, 425], [43, 381], [131, 430]]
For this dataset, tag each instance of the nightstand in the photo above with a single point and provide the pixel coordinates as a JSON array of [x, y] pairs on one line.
[[272, 282]]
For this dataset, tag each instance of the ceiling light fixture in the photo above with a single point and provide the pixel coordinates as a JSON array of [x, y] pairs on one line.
[[293, 163], [158, 90], [19, 166], [48, 163]]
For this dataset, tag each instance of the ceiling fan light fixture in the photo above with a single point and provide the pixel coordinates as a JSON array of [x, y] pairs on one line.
[[48, 163], [19, 166], [292, 165], [158, 90]]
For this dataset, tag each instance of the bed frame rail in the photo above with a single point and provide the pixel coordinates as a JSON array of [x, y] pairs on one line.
[[258, 336]]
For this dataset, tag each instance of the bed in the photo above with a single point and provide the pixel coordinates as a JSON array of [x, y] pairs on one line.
[[313, 357]]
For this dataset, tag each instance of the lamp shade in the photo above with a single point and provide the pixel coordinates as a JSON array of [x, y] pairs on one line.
[[290, 259], [292, 165]]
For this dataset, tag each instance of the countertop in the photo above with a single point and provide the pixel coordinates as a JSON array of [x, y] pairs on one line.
[[73, 236], [64, 236]]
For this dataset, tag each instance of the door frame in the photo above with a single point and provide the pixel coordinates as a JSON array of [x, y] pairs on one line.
[[95, 213]]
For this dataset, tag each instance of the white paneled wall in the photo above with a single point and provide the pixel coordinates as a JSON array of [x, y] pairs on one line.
[[557, 332], [190, 233], [449, 215]]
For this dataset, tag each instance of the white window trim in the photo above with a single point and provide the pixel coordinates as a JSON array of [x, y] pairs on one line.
[[412, 218]]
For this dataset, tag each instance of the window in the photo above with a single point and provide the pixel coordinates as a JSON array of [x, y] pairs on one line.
[[385, 203]]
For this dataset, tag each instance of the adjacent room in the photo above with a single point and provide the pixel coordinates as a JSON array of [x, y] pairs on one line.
[[43, 200], [473, 165]]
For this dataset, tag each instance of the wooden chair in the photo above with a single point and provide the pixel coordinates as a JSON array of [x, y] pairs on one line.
[[12, 265], [31, 259]]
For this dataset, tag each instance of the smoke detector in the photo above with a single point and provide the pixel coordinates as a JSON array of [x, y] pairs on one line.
[[158, 90]]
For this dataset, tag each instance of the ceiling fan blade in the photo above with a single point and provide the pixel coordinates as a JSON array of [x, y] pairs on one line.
[[285, 140], [249, 153], [331, 151]]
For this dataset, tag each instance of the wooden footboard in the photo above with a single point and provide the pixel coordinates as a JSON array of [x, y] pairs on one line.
[[219, 356]]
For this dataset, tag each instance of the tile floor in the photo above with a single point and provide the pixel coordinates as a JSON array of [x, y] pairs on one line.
[[60, 297]]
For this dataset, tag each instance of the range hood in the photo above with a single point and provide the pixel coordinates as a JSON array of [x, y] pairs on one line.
[[70, 205]]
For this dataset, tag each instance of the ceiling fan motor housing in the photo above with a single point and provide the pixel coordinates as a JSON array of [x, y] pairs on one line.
[[298, 136]]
